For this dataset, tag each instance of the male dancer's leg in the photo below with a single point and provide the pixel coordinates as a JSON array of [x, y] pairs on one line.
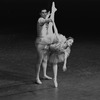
[[44, 65], [40, 58]]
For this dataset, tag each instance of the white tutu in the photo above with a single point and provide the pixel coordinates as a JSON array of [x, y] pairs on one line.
[[57, 50]]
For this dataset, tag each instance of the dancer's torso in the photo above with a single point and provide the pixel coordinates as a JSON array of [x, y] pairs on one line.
[[42, 28]]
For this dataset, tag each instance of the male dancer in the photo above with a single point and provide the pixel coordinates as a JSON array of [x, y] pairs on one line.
[[41, 44]]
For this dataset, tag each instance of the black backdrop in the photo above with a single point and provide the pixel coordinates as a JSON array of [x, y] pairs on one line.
[[76, 18]]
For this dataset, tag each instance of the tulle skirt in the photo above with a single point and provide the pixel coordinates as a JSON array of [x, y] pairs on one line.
[[56, 57]]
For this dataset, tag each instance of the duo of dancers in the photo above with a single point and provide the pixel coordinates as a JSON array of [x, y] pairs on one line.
[[51, 45]]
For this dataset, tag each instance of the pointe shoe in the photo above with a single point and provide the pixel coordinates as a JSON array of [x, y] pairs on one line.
[[53, 7], [38, 81], [47, 77], [55, 84]]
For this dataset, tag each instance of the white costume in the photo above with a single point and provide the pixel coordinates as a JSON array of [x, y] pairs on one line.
[[51, 45]]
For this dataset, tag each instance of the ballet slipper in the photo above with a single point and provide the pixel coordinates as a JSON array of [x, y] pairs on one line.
[[38, 81], [47, 77], [54, 9], [55, 83]]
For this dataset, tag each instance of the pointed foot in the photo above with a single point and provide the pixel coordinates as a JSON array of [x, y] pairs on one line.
[[47, 77], [55, 84], [38, 81]]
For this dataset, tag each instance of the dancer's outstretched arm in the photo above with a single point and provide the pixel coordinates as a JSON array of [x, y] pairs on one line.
[[48, 15]]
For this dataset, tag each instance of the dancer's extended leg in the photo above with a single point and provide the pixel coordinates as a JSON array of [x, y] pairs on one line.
[[50, 26], [52, 17]]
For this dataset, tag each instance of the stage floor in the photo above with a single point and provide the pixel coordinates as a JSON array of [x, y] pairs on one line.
[[81, 81]]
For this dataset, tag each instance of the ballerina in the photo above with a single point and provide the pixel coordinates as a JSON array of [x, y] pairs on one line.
[[60, 47]]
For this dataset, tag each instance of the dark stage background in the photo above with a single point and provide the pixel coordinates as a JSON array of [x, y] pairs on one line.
[[77, 18]]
